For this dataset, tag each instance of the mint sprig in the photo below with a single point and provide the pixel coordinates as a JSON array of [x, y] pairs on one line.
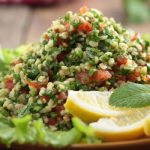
[[131, 95]]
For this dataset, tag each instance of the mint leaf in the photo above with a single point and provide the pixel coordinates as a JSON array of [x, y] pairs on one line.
[[131, 95]]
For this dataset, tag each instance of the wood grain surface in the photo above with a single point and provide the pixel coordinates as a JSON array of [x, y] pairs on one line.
[[21, 24]]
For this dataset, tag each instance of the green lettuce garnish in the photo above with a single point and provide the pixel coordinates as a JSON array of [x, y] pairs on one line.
[[24, 130], [7, 55], [88, 135], [146, 37]]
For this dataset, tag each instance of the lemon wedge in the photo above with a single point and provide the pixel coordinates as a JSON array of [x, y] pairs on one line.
[[91, 105], [147, 126], [124, 127]]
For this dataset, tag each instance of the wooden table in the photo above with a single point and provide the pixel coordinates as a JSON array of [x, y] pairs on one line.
[[21, 24]]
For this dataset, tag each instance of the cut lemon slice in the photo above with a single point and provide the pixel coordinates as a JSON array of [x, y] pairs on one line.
[[124, 127], [91, 105], [147, 126]]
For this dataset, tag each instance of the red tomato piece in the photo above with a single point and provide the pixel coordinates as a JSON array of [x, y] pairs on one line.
[[148, 58], [133, 77], [67, 25], [9, 84], [61, 42], [52, 122], [83, 77], [101, 75], [134, 37], [147, 79], [121, 61], [62, 55], [36, 85], [24, 91], [102, 26], [120, 77], [58, 109], [136, 73], [46, 97], [85, 27], [84, 10], [16, 61], [46, 37], [62, 96]]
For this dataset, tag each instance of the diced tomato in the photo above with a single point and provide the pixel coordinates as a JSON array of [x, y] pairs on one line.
[[67, 25], [83, 77], [16, 61], [120, 77], [85, 27], [84, 10], [64, 44], [46, 37], [52, 121], [101, 75], [9, 84], [58, 109], [148, 58], [134, 76], [134, 37], [146, 79], [46, 97], [46, 81], [62, 96], [62, 55], [61, 42], [102, 26], [24, 91], [136, 73], [36, 85], [120, 82], [121, 61]]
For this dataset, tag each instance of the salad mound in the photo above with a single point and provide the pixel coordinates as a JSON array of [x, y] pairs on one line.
[[81, 51]]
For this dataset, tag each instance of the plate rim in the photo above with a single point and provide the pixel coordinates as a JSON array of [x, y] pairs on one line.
[[109, 145], [127, 143]]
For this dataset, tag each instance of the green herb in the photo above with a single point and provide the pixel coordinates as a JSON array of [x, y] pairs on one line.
[[131, 95], [24, 111]]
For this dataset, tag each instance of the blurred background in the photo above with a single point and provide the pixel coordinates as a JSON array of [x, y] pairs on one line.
[[23, 21]]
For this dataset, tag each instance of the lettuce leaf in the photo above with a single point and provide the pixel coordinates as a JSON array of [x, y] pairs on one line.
[[88, 132], [63, 138], [7, 55], [24, 130], [146, 37]]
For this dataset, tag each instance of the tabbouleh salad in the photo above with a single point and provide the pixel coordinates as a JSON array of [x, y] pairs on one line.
[[81, 51]]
